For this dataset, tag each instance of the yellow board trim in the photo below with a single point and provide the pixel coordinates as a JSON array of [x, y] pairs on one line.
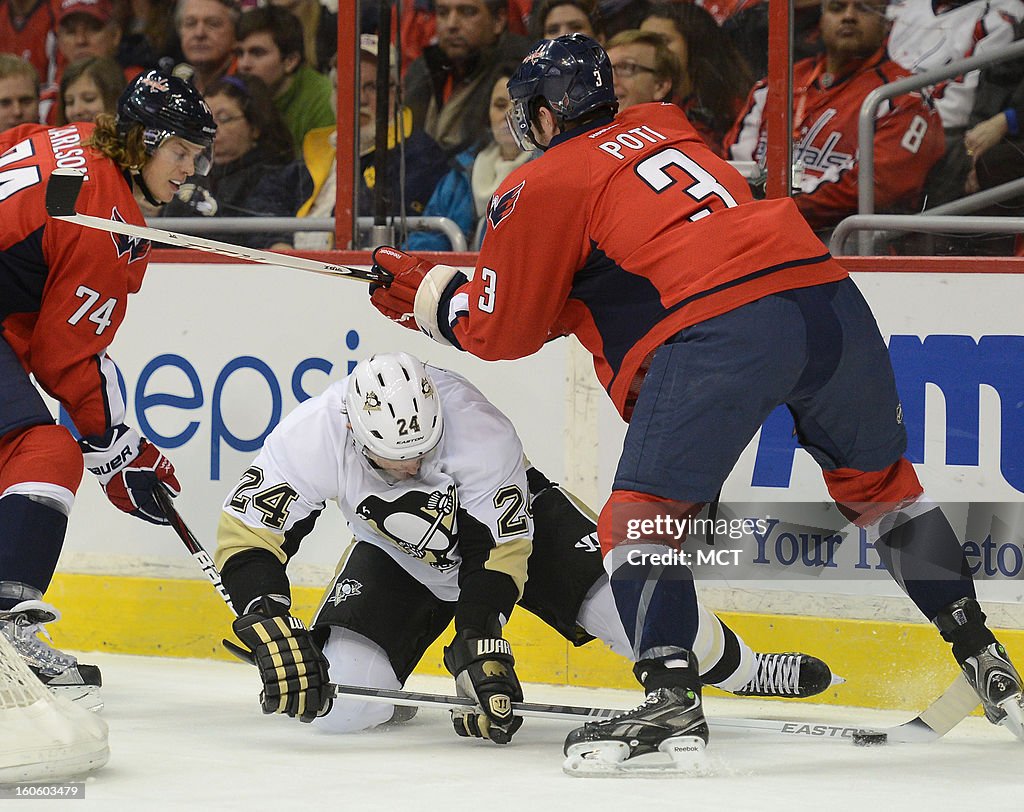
[[886, 665]]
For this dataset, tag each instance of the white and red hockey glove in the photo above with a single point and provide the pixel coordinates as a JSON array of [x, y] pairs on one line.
[[129, 469], [416, 292]]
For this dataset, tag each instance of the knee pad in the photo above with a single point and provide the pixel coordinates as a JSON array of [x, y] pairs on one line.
[[41, 462], [631, 517], [863, 497], [355, 660]]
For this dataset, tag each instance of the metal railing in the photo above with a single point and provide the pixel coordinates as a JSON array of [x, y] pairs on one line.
[[869, 108], [970, 203], [931, 224], [227, 225]]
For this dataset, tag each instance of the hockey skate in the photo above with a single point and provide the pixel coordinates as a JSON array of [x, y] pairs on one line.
[[670, 722], [791, 675], [57, 670], [988, 668], [997, 683]]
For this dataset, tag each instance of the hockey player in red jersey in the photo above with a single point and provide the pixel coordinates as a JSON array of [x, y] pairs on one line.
[[829, 91], [704, 310], [63, 295]]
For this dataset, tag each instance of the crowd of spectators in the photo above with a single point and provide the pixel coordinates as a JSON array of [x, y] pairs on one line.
[[268, 69]]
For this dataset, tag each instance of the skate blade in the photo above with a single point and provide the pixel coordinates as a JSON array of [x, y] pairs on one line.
[[85, 696], [682, 756], [1013, 721]]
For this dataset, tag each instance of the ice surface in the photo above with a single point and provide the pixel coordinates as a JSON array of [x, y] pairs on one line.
[[189, 733]]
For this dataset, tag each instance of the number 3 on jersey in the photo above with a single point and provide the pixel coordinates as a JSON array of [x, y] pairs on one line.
[[652, 171]]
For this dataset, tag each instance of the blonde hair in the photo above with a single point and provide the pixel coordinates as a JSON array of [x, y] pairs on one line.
[[666, 64], [128, 152]]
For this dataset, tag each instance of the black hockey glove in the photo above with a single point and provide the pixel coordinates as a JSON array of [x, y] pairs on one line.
[[293, 670], [484, 670]]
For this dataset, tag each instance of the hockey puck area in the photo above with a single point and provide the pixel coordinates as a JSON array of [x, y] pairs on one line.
[[868, 739]]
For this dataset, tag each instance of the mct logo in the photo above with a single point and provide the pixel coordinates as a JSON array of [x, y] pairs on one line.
[[958, 366]]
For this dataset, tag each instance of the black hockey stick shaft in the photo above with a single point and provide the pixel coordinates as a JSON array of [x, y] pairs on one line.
[[64, 186], [196, 549]]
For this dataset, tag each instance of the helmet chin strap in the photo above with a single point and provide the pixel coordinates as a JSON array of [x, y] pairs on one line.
[[137, 177]]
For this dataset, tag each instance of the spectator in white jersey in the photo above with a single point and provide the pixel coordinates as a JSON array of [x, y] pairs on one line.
[[929, 35], [448, 519]]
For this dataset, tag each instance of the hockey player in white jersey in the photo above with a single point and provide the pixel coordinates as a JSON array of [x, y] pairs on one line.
[[448, 522]]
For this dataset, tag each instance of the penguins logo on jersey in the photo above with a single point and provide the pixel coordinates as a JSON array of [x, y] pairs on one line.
[[135, 247], [343, 590], [421, 523]]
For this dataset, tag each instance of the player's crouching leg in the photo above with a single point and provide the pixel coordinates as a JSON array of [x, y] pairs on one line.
[[353, 659]]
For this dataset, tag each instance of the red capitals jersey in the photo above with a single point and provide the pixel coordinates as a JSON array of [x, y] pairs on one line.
[[624, 235], [64, 288], [908, 138]]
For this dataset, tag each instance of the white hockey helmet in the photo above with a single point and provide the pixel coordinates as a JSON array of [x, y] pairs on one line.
[[393, 407]]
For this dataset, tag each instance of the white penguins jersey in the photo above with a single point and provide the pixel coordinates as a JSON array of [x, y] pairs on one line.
[[928, 35], [467, 507]]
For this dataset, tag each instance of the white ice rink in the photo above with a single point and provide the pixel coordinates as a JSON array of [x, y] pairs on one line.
[[189, 733]]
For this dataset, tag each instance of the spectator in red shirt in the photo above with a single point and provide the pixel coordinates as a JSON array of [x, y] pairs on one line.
[[828, 91]]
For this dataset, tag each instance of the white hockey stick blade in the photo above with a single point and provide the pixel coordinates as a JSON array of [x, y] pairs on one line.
[[62, 191], [952, 706]]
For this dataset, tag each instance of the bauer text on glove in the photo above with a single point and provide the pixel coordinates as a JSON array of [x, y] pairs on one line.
[[129, 469]]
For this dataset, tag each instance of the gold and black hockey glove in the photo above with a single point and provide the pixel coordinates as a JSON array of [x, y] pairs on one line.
[[293, 670], [484, 670]]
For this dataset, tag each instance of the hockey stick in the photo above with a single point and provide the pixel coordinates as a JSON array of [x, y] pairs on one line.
[[948, 710], [941, 716], [163, 498], [64, 186]]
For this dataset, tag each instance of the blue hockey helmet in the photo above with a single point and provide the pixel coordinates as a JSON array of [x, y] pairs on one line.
[[571, 74], [167, 106]]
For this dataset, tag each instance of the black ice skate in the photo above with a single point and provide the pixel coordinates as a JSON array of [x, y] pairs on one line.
[[988, 669], [791, 675], [996, 681], [57, 670], [670, 722]]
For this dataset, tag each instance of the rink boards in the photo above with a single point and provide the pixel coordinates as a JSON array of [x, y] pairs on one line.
[[213, 354]]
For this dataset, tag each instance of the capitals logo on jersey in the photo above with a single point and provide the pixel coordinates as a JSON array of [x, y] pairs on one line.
[[135, 247], [422, 524], [502, 206]]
